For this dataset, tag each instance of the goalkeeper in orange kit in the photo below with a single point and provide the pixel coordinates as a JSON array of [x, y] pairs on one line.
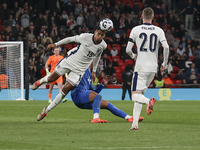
[[53, 61]]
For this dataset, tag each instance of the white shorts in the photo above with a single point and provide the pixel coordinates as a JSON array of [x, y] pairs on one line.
[[141, 81], [74, 77]]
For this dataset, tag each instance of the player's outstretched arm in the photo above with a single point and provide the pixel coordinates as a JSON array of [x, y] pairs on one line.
[[106, 79], [104, 82], [68, 40], [51, 46], [64, 41]]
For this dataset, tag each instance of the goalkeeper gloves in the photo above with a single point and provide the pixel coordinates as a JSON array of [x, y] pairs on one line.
[[66, 75], [47, 71]]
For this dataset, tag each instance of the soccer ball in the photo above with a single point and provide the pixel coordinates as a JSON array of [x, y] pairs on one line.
[[106, 25]]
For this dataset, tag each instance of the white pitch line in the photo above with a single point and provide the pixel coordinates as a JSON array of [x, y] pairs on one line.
[[154, 147]]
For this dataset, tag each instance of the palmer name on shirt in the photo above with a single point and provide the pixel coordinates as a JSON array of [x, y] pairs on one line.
[[148, 28]]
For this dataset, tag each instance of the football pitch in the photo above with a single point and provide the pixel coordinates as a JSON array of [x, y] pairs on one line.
[[173, 125]]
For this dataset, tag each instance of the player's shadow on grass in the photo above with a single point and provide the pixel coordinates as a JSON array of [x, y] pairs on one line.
[[62, 121], [77, 121]]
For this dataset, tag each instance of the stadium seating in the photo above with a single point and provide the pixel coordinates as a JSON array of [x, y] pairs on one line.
[[120, 62], [120, 32], [118, 58], [118, 70], [199, 76], [175, 49], [69, 46], [128, 33], [140, 4], [84, 2], [175, 70], [108, 57], [119, 78], [172, 75], [0, 26], [152, 82], [118, 47], [108, 38], [123, 66], [109, 15], [178, 82], [157, 16], [129, 61], [114, 86], [191, 57], [109, 46]]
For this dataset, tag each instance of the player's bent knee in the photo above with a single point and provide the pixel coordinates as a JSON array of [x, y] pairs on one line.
[[134, 97], [104, 104], [50, 79], [53, 77], [65, 91], [67, 87], [99, 96]]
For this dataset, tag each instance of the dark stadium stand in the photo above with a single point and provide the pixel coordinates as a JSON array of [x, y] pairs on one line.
[[44, 22]]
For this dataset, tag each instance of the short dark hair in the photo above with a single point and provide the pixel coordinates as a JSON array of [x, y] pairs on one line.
[[98, 28]]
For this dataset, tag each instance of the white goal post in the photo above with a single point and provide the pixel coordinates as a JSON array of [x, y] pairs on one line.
[[11, 71]]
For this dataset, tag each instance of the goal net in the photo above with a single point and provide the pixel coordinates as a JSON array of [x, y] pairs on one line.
[[11, 71]]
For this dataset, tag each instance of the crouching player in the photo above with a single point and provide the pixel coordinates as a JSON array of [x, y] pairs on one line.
[[85, 97]]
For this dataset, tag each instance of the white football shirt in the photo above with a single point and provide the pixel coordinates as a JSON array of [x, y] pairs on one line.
[[147, 38], [80, 57]]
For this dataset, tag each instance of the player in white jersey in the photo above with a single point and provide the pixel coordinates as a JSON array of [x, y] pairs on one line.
[[89, 49], [147, 38]]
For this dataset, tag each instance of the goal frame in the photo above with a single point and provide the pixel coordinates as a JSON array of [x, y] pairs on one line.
[[22, 64]]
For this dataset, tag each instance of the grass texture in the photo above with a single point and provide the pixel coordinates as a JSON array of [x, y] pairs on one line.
[[173, 125]]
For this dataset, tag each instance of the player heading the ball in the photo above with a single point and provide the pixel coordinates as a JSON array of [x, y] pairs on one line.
[[79, 59]]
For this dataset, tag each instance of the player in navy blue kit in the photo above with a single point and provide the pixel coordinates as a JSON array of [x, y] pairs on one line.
[[84, 96]]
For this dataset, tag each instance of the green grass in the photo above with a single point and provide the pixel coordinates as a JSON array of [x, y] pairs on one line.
[[173, 125]]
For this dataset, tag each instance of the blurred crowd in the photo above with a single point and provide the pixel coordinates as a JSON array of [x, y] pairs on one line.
[[48, 21]]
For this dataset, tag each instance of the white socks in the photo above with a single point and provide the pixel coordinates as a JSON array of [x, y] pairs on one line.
[[140, 98], [95, 115], [44, 79], [136, 114], [56, 101], [128, 117]]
